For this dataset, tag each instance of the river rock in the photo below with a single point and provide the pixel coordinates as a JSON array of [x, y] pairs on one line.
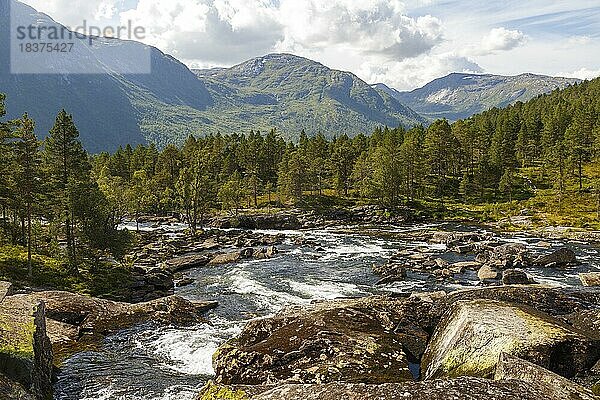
[[488, 274], [516, 277], [465, 388], [508, 255], [452, 239], [390, 272], [510, 367], [473, 334], [590, 279], [470, 265], [364, 340], [235, 256], [187, 262], [559, 258]]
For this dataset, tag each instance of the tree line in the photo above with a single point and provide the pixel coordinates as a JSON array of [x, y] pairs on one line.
[[78, 199]]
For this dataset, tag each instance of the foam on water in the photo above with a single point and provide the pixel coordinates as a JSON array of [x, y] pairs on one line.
[[189, 351], [242, 282]]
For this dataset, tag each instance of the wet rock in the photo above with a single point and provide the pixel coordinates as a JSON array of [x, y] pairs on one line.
[[510, 367], [487, 274], [559, 258], [185, 282], [390, 272], [227, 258], [472, 335], [283, 220], [508, 255], [265, 252], [516, 277], [463, 249], [470, 265], [466, 388], [365, 340], [453, 239], [590, 279], [187, 262]]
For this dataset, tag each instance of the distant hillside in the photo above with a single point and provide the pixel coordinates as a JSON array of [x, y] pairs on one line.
[[293, 93], [458, 96], [110, 109]]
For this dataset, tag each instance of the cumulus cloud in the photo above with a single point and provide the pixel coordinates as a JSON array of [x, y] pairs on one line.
[[213, 31], [367, 27], [582, 73], [72, 12], [502, 39], [417, 71]]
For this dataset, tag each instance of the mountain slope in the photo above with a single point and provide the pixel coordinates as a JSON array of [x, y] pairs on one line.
[[458, 96], [110, 109], [293, 93]]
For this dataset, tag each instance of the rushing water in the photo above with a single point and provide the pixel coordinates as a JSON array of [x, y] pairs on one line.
[[150, 362]]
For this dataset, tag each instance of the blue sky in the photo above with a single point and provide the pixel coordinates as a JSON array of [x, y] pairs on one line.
[[404, 44]]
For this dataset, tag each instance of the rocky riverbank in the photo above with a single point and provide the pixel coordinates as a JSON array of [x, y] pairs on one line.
[[525, 342], [38, 330]]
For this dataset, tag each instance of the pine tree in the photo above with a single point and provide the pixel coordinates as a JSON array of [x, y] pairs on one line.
[[67, 167], [27, 175]]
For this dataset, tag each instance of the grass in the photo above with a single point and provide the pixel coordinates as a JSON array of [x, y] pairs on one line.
[[106, 280]]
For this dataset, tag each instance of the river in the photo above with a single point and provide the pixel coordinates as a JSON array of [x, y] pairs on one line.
[[161, 363]]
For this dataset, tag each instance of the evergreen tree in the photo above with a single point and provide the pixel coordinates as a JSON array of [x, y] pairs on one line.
[[67, 167], [27, 175]]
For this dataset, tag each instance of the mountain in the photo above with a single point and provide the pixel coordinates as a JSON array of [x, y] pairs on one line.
[[293, 93], [109, 108], [458, 96]]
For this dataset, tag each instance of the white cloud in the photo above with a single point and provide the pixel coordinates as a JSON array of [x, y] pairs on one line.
[[418, 71], [367, 27], [582, 73], [403, 43], [501, 39], [73, 12]]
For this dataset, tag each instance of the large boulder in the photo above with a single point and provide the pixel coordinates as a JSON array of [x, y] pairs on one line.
[[508, 255], [556, 301], [488, 274], [470, 338], [187, 262], [559, 258], [466, 388], [516, 277], [369, 340], [510, 367]]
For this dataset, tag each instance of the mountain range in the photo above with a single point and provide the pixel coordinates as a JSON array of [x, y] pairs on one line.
[[457, 96], [281, 91]]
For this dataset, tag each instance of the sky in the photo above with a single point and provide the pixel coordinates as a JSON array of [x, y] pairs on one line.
[[404, 44]]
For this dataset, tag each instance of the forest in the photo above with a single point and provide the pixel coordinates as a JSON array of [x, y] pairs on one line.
[[59, 201]]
